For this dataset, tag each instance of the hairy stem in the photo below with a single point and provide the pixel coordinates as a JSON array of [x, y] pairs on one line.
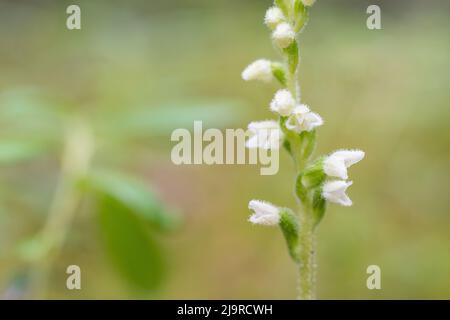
[[306, 265], [306, 248]]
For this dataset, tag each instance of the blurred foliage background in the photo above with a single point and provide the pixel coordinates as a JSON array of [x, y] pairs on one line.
[[139, 69]]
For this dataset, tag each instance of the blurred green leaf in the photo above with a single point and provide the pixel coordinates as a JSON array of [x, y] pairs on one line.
[[159, 121], [14, 151], [132, 194], [32, 249], [135, 255]]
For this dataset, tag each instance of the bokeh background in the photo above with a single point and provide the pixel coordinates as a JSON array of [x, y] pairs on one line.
[[137, 70]]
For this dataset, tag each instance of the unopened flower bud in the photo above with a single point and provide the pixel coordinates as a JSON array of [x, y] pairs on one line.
[[274, 16], [283, 35], [283, 103], [259, 70]]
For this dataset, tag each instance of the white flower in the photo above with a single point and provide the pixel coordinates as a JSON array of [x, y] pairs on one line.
[[336, 164], [265, 135], [308, 2], [258, 70], [334, 191], [274, 16], [302, 119], [283, 103], [265, 213], [283, 35]]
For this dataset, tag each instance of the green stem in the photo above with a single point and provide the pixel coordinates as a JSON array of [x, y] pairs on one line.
[[306, 225], [75, 163], [306, 266], [300, 154]]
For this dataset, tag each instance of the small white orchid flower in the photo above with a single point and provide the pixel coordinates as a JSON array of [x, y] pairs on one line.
[[336, 164], [302, 119], [265, 135], [334, 191], [283, 35], [283, 103], [259, 70], [274, 16], [265, 213]]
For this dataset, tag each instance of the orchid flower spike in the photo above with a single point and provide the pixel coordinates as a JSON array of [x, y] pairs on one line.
[[265, 213], [336, 164]]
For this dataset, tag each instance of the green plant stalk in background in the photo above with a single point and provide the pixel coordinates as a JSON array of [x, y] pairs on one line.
[[75, 162], [296, 131], [127, 212]]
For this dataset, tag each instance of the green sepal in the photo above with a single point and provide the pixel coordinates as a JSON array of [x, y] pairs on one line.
[[283, 6], [300, 190], [289, 226], [301, 145], [308, 143], [292, 56], [287, 146], [313, 175], [299, 8], [319, 205], [279, 73], [301, 15]]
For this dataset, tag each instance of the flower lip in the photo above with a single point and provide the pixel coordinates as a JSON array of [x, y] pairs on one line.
[[302, 119], [265, 213], [334, 191]]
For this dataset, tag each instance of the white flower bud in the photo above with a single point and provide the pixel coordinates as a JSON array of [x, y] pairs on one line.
[[274, 16], [336, 164], [265, 213], [334, 191], [283, 35], [265, 135], [308, 3], [283, 103], [258, 70], [302, 119]]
